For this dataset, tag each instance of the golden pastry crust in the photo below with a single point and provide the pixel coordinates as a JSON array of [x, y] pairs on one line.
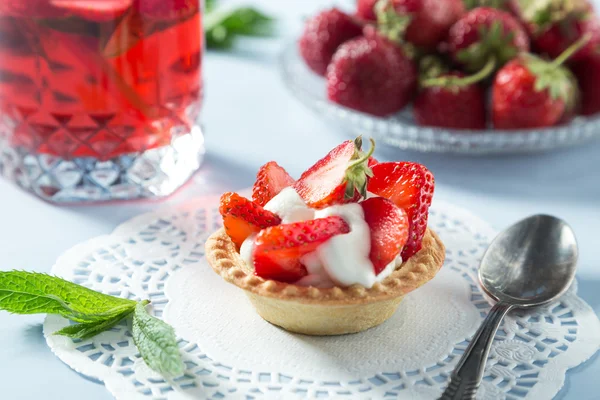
[[226, 261], [330, 311]]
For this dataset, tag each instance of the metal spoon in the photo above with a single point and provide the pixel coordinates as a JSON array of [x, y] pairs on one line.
[[530, 264]]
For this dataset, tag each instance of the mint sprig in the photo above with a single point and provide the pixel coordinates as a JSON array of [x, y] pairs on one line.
[[156, 342], [35, 293], [223, 25]]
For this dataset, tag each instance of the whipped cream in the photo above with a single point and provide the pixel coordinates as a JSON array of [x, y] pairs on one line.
[[290, 207], [343, 260]]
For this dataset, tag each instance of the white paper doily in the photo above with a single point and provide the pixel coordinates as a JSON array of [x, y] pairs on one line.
[[231, 353]]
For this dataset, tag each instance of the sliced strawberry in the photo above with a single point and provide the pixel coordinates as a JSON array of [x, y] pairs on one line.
[[340, 177], [242, 218], [388, 225], [95, 10], [277, 250], [270, 180], [410, 186]]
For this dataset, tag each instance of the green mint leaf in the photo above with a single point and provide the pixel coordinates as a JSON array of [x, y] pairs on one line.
[[35, 293], [219, 38], [156, 343], [224, 25], [88, 330], [209, 5]]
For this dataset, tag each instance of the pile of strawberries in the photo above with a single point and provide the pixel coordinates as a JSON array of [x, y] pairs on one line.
[[397, 219], [511, 64]]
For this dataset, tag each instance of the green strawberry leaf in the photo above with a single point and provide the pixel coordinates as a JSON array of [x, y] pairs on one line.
[[156, 342], [389, 23], [88, 330], [471, 4], [493, 42], [544, 13], [557, 80], [34, 293], [431, 66]]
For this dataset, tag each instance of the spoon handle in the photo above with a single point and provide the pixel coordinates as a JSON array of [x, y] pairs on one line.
[[468, 373]]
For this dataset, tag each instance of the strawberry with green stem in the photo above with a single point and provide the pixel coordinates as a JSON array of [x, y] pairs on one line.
[[554, 25], [338, 178], [453, 100], [485, 33], [423, 23], [530, 92]]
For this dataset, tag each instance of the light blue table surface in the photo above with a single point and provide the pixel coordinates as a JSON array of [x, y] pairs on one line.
[[250, 118]]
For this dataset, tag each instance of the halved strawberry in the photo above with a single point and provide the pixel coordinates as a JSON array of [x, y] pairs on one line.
[[340, 177], [410, 186], [94, 10], [242, 218], [270, 180], [277, 249], [388, 226]]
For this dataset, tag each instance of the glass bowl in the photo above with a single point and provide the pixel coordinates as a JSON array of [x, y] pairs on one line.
[[402, 131]]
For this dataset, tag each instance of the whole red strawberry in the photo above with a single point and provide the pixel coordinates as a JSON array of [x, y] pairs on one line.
[[410, 186], [554, 25], [30, 9], [323, 34], [388, 228], [277, 250], [423, 23], [167, 9], [529, 92], [485, 34], [242, 218], [270, 180], [587, 72], [450, 99], [339, 177], [365, 9], [372, 75]]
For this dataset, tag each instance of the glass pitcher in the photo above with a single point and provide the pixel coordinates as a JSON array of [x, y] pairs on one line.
[[100, 99]]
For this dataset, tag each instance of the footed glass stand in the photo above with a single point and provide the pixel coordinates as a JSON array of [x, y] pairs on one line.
[[153, 173]]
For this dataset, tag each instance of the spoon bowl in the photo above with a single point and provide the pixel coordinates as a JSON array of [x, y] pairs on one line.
[[531, 263]]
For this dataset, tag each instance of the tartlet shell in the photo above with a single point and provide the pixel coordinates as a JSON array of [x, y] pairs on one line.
[[325, 311]]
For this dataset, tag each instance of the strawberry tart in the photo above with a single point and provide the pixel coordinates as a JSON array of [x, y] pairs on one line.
[[335, 251]]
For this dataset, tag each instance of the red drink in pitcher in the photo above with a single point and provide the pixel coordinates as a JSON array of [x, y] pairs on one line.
[[100, 99]]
